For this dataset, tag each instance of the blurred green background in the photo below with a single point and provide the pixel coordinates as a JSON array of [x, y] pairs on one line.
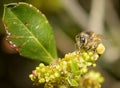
[[68, 18]]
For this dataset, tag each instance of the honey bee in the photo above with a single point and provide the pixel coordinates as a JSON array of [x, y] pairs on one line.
[[89, 41]]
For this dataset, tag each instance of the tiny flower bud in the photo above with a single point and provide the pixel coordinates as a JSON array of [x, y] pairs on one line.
[[57, 74]]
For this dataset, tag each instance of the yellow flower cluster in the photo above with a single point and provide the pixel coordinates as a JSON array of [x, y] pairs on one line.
[[68, 71]]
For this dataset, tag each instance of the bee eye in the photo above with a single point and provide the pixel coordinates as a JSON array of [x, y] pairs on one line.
[[82, 39]]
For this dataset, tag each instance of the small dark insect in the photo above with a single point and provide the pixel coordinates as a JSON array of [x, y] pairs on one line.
[[89, 41]]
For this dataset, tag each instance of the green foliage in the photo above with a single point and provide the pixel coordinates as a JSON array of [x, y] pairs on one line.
[[29, 32]]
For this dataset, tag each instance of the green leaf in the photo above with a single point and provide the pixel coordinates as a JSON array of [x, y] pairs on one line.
[[75, 68], [73, 82], [29, 32]]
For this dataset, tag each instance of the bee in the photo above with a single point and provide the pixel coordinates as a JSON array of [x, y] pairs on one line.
[[90, 41]]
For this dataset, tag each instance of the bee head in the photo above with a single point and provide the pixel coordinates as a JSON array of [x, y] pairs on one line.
[[85, 37]]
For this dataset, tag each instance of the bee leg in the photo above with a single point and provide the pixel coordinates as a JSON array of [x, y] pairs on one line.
[[77, 47]]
